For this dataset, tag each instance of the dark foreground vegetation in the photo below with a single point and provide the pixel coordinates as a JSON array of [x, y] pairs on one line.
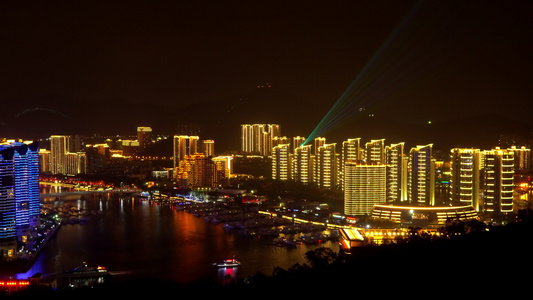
[[481, 262]]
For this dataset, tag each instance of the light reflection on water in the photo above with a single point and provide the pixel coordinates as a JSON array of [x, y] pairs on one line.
[[140, 239]]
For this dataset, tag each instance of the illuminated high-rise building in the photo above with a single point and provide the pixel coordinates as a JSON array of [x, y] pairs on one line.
[[522, 158], [465, 177], [281, 162], [421, 172], [365, 186], [257, 138], [302, 165], [297, 141], [44, 160], [208, 147], [58, 151], [351, 151], [19, 193], [184, 145], [144, 136], [326, 166], [396, 163], [375, 151], [498, 180], [318, 142]]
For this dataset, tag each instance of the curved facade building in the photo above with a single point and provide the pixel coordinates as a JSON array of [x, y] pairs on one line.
[[423, 216], [19, 192]]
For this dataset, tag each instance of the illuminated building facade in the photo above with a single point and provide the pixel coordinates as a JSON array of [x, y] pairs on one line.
[[58, 151], [522, 159], [365, 186], [465, 177], [396, 162], [302, 165], [208, 147], [184, 145], [326, 162], [144, 136], [498, 180], [281, 162], [351, 151], [318, 142], [197, 171], [19, 193], [62, 160], [423, 217], [375, 151], [421, 172], [257, 138]]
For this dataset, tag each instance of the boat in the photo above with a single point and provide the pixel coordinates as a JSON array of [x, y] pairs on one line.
[[87, 271], [227, 263]]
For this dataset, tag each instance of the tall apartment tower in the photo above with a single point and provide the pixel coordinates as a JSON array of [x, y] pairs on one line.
[[375, 151], [302, 165], [396, 163], [351, 151], [365, 186], [58, 151], [465, 177], [184, 145], [297, 141], [421, 172], [326, 169], [498, 180], [318, 142], [281, 162]]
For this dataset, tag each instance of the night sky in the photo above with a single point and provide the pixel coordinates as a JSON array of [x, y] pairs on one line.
[[109, 66]]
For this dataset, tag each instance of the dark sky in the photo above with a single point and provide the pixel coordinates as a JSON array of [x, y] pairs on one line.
[[471, 57]]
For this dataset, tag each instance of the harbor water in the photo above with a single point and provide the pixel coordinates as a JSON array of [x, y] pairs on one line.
[[135, 239]]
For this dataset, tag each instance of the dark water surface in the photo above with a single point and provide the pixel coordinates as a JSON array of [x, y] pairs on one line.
[[135, 239]]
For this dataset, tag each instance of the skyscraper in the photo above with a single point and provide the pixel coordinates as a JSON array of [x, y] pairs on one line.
[[465, 177], [257, 138], [281, 162], [351, 151], [302, 165], [498, 180], [326, 169], [421, 172], [396, 163], [58, 151], [365, 186], [184, 145], [375, 151], [208, 148], [19, 193]]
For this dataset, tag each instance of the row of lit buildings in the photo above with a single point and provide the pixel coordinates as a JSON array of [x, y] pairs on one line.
[[376, 173], [19, 194]]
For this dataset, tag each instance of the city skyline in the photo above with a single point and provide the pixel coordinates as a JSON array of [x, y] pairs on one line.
[[258, 61]]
